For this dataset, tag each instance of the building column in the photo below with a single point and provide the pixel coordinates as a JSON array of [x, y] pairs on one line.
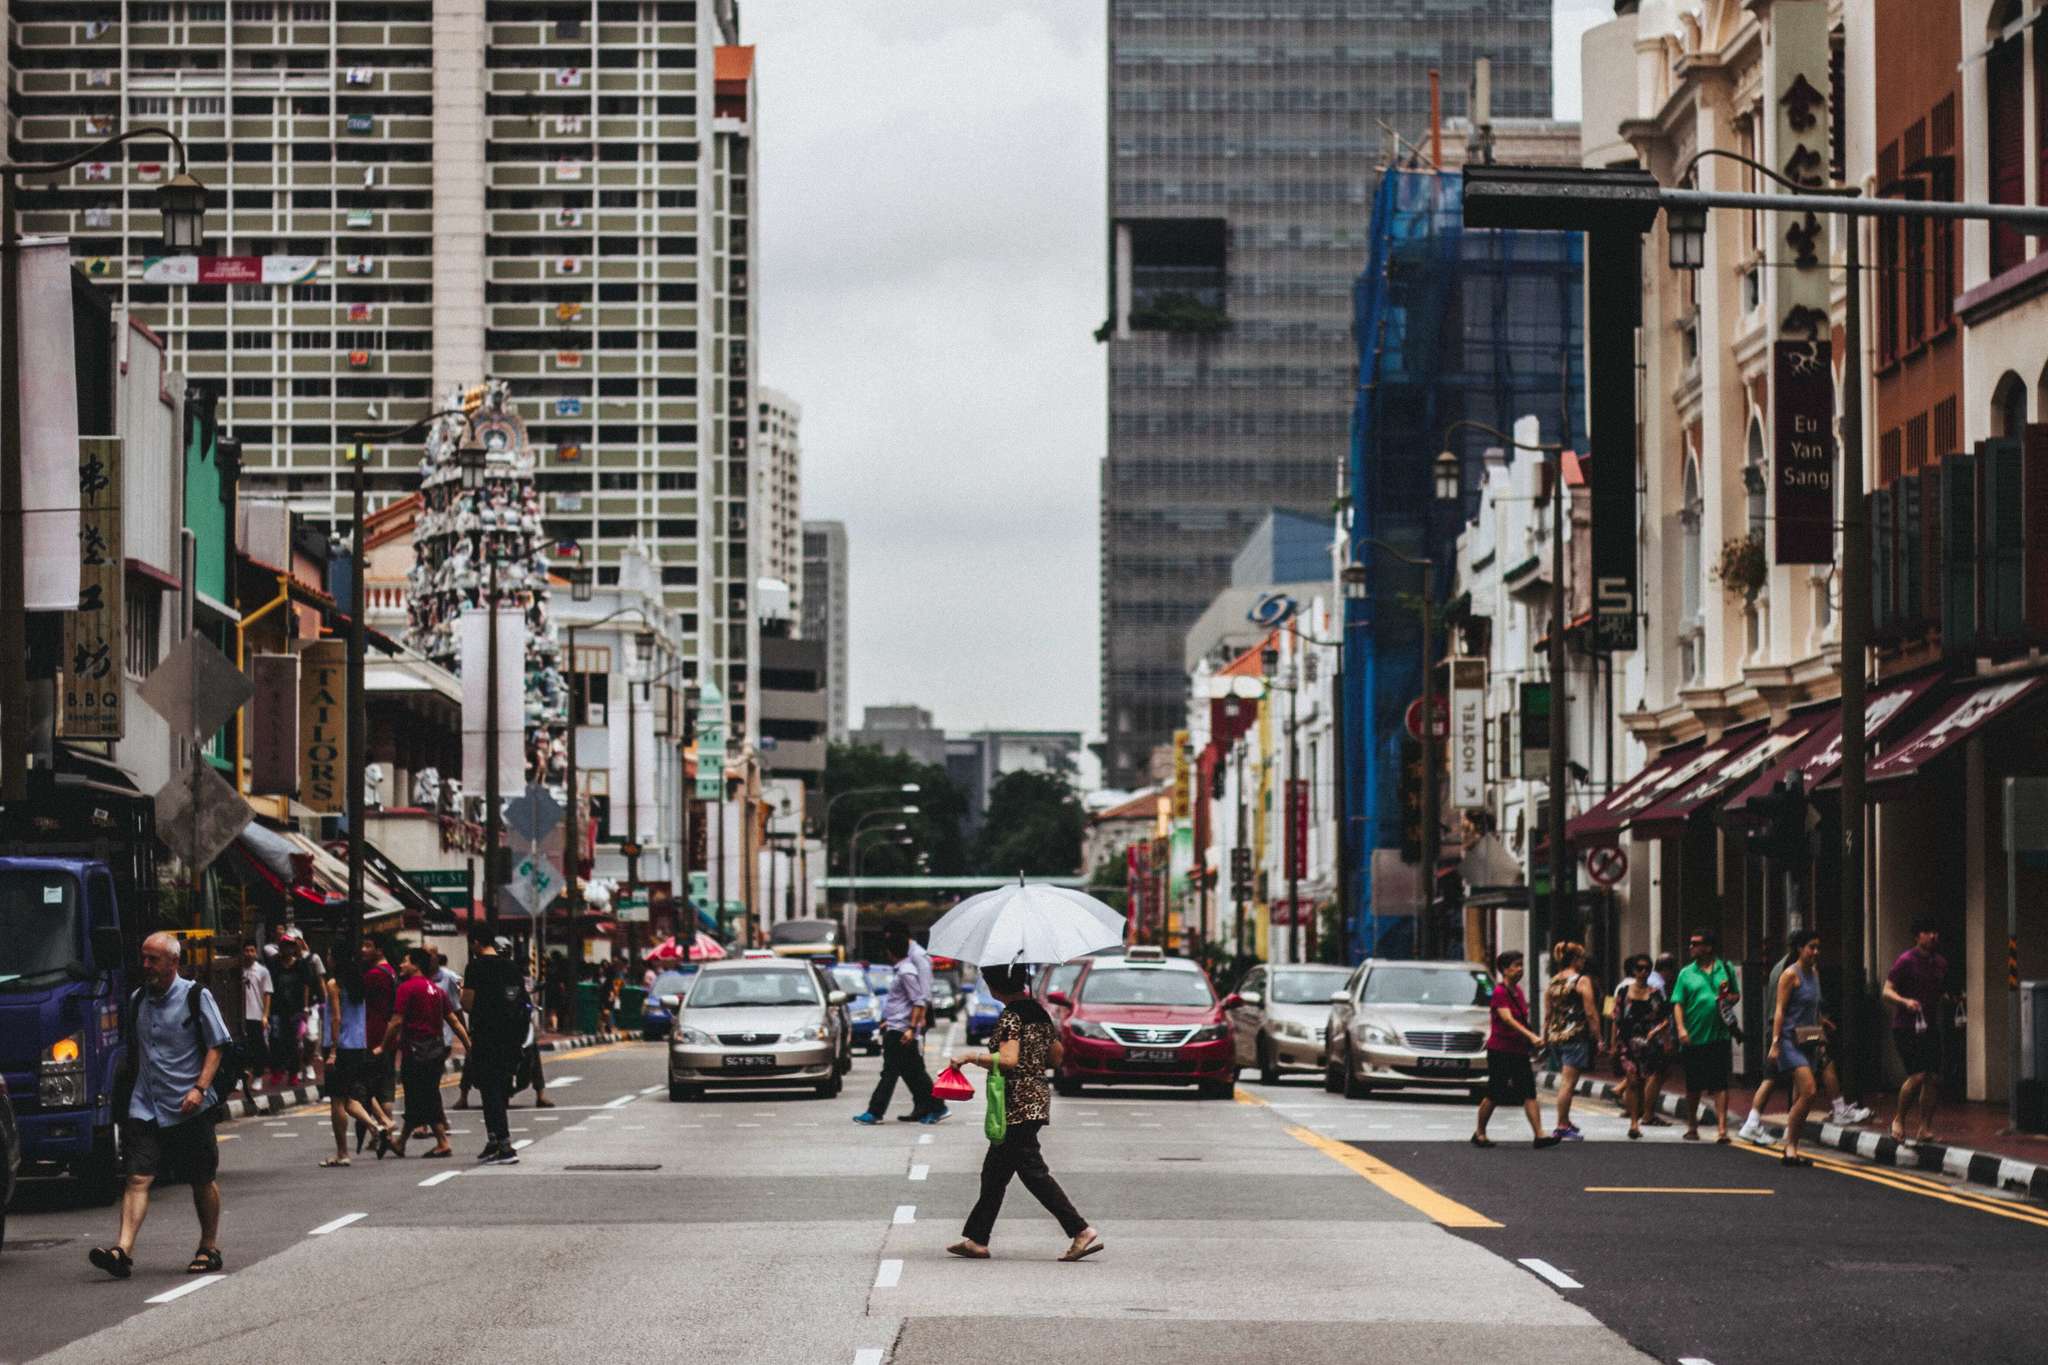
[[459, 211]]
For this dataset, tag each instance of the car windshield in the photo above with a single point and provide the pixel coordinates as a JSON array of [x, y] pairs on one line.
[[878, 976], [671, 983], [1427, 986], [1145, 986], [746, 989], [850, 979], [38, 929], [1061, 978], [1306, 987]]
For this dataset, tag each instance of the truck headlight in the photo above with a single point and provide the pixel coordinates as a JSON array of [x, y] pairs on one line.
[[60, 1076]]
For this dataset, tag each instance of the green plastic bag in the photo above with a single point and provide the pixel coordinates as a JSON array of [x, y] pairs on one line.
[[997, 1122]]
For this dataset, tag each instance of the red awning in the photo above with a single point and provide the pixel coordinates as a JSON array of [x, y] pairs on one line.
[[1816, 731], [1964, 713], [1698, 784], [1603, 824]]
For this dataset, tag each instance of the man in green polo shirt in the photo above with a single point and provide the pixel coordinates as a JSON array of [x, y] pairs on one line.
[[1705, 988]]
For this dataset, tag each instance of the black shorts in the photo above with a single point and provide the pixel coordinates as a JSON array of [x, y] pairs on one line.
[[384, 1079], [1708, 1065], [1510, 1077], [352, 1077], [423, 1093], [1918, 1052], [185, 1151]]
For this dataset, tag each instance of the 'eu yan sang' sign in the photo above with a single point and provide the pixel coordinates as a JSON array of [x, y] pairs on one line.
[[94, 641], [1803, 414]]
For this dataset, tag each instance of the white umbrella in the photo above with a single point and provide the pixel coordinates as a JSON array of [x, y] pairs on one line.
[[1025, 924]]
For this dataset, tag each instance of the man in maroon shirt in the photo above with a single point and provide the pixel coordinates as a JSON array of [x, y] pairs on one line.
[[415, 1027], [1913, 989], [380, 992]]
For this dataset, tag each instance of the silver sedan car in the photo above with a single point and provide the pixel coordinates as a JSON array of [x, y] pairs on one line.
[[756, 1021], [1409, 1024], [1277, 1015]]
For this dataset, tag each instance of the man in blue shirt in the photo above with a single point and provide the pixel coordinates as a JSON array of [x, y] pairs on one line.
[[174, 1050], [903, 1014]]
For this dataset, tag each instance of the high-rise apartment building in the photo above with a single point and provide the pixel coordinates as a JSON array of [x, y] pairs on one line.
[[824, 610], [1246, 140], [409, 196], [778, 491]]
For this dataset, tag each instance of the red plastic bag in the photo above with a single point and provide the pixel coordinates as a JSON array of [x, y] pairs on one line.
[[950, 1084]]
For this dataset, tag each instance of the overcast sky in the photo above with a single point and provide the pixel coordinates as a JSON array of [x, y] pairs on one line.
[[933, 241]]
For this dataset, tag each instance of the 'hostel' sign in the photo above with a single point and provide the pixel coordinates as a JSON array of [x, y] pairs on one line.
[[323, 726]]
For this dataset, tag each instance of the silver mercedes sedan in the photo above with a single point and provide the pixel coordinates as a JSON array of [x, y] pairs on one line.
[[1409, 1025], [756, 1021]]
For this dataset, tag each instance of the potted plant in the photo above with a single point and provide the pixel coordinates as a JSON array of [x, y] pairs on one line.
[[1744, 569]]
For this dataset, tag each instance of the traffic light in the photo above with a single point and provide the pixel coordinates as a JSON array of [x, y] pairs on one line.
[[1411, 801], [1781, 828], [1241, 873]]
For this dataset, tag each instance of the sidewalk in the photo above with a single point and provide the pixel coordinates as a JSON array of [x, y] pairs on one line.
[[1974, 1147], [310, 1092]]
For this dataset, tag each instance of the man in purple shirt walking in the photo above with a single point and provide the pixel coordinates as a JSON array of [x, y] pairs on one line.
[[1913, 988]]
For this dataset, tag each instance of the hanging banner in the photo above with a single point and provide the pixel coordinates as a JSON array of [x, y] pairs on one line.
[[52, 460], [273, 720], [1468, 733], [94, 636], [1181, 775], [1297, 828], [323, 726], [711, 744], [1803, 447], [230, 269]]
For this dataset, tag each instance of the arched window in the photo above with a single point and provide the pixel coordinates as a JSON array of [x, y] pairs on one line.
[[1756, 479], [2005, 150], [2009, 406]]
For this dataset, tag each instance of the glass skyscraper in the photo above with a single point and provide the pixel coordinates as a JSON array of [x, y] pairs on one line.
[[1246, 142]]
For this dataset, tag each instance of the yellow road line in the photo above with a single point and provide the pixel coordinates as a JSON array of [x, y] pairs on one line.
[[1247, 1097], [1406, 1188], [1671, 1189], [1879, 1175]]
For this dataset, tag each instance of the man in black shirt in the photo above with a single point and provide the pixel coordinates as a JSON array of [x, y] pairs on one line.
[[494, 994], [294, 988]]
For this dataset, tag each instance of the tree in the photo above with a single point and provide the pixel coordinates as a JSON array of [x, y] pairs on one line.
[[936, 826], [1033, 826]]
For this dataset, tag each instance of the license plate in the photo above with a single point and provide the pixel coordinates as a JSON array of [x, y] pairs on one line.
[[1451, 1065], [1154, 1054], [747, 1061]]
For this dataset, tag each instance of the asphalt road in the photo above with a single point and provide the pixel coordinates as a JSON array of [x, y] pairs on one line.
[[1290, 1225], [1695, 1252], [769, 1229]]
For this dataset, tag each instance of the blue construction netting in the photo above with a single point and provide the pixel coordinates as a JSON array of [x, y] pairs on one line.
[[1450, 324]]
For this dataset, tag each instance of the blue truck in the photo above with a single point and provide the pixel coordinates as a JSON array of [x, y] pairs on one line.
[[77, 897]]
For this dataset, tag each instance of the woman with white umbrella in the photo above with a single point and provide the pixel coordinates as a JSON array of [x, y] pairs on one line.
[[1000, 932]]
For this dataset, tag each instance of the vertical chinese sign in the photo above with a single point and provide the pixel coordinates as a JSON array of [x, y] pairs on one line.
[[323, 725], [94, 639]]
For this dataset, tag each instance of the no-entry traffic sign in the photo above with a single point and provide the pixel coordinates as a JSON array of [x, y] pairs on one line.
[[1442, 728], [1606, 865]]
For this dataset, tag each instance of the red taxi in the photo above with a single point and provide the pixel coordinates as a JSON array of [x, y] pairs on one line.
[[1142, 1018]]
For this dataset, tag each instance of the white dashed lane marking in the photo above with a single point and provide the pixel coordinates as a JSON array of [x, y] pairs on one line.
[[440, 1179], [924, 1139], [871, 1356], [557, 1082], [652, 1090], [920, 1172], [1550, 1273], [906, 1213], [522, 1144], [621, 1102], [182, 1290], [888, 1273], [338, 1224]]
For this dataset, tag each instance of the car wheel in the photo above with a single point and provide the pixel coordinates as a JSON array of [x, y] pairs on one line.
[[678, 1093], [1333, 1078], [1353, 1088], [829, 1089], [1219, 1090], [1269, 1068], [1063, 1086]]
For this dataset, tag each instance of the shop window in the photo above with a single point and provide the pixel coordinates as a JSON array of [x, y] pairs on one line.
[[2006, 152]]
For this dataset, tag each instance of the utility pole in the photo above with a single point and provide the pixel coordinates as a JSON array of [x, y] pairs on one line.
[[1548, 926], [492, 817], [1432, 801], [358, 707], [572, 848]]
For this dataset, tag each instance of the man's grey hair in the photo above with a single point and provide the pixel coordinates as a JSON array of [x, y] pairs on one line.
[[170, 943]]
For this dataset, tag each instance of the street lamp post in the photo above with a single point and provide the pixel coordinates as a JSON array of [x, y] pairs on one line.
[[358, 710], [183, 203], [904, 789], [853, 863], [900, 836]]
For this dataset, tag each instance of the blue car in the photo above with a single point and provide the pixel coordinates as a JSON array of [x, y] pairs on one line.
[[863, 1008], [656, 1016], [983, 1010]]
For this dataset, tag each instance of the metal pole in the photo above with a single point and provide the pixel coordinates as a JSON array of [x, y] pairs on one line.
[[1340, 852], [571, 846], [1288, 845], [358, 709], [718, 856], [1855, 633], [632, 819], [1432, 831], [1236, 886], [13, 562], [2012, 956], [1560, 857], [749, 856], [491, 816]]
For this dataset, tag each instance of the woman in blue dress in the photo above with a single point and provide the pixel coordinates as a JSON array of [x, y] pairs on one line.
[[1795, 1033]]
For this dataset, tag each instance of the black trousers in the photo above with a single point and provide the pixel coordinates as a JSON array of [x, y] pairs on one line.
[[1017, 1154], [901, 1056], [489, 1068]]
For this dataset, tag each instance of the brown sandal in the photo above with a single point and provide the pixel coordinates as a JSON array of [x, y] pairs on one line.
[[967, 1251], [1081, 1250]]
